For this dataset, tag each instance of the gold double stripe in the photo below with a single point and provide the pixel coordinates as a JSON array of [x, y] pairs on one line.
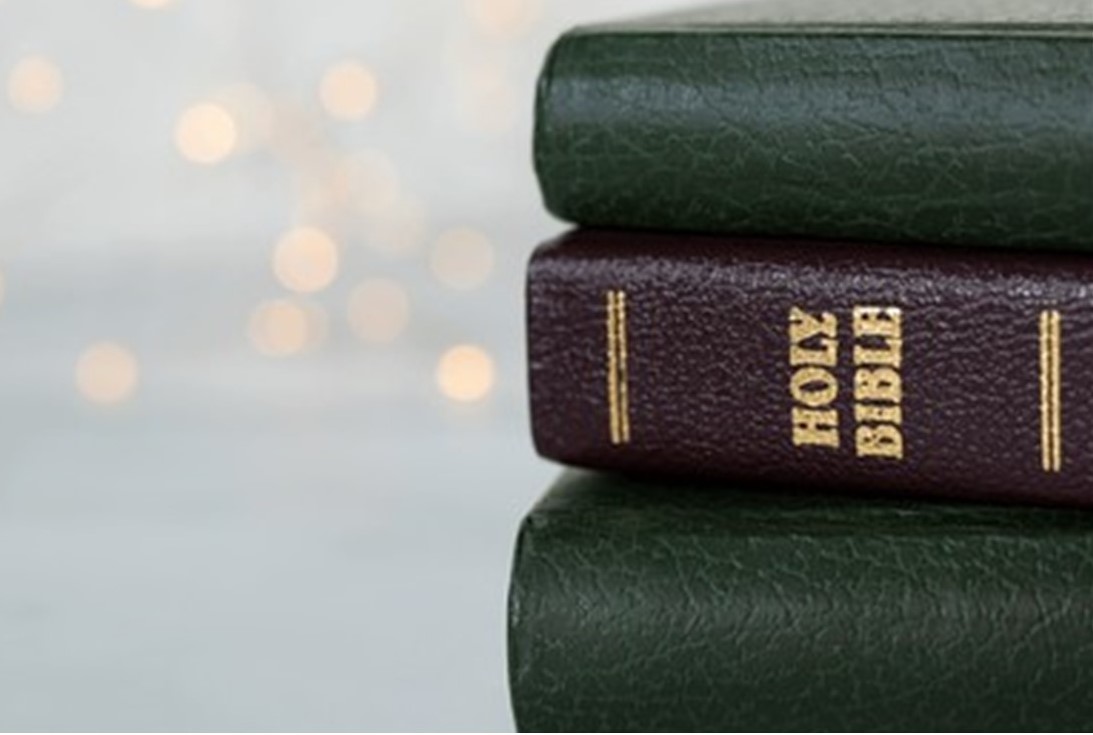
[[1051, 423], [618, 388]]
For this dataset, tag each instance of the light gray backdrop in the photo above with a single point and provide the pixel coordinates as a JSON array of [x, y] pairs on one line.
[[195, 534]]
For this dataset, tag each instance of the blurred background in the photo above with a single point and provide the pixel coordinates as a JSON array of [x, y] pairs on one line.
[[263, 434]]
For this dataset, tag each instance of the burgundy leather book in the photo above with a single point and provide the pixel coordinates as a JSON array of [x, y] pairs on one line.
[[914, 370]]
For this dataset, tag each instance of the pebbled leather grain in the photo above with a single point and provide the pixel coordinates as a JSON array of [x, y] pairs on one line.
[[657, 607], [709, 374], [869, 121]]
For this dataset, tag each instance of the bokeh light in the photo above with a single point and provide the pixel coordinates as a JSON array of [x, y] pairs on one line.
[[348, 91], [152, 4], [506, 18], [281, 327], [374, 177], [252, 113], [35, 85], [206, 133], [400, 230], [462, 258], [465, 374], [379, 310], [106, 373], [306, 260], [491, 103]]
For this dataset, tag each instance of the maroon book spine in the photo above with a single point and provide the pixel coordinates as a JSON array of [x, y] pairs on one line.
[[883, 368]]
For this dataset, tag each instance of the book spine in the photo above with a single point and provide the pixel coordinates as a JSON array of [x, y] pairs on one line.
[[936, 371], [676, 613], [947, 139]]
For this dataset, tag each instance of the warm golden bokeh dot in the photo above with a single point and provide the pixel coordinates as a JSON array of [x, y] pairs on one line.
[[35, 85], [374, 177], [462, 258], [348, 91], [106, 373], [305, 260], [490, 100], [281, 327], [151, 4], [379, 310], [252, 113], [465, 374], [206, 133], [504, 17], [399, 231]]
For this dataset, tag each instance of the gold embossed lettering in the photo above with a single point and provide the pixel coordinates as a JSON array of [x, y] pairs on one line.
[[879, 336], [813, 348], [826, 354], [882, 440], [891, 355], [882, 385], [878, 385], [876, 321], [819, 331], [867, 414], [815, 428], [804, 326], [814, 387]]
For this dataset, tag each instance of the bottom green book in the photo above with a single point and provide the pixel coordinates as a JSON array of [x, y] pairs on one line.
[[644, 606]]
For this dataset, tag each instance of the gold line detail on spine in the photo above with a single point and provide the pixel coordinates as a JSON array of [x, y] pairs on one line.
[[618, 389], [624, 373], [1045, 410], [613, 370], [1051, 425], [1056, 391]]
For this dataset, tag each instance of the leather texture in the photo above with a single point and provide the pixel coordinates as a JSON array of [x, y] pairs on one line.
[[795, 119], [667, 607], [709, 376], [888, 17]]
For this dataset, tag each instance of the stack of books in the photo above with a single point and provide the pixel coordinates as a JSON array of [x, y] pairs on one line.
[[821, 346]]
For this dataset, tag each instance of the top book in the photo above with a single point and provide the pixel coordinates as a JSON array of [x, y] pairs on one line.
[[944, 122]]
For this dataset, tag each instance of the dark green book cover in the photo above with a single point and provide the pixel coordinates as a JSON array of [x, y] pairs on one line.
[[644, 606], [967, 122]]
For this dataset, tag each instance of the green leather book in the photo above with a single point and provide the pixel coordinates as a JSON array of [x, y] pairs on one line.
[[938, 121], [643, 606]]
